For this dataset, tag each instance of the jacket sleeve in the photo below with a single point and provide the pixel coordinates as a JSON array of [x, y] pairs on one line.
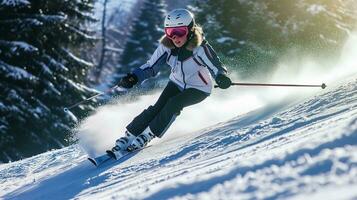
[[208, 57], [151, 67]]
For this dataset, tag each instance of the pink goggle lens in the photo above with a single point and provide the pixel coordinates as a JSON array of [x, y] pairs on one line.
[[176, 31]]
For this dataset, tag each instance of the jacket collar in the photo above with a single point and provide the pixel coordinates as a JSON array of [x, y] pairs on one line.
[[194, 42]]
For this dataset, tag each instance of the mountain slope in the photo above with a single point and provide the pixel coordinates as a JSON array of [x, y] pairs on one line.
[[293, 149]]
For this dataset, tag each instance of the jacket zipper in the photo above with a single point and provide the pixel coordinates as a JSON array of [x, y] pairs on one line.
[[183, 73], [183, 76], [201, 77]]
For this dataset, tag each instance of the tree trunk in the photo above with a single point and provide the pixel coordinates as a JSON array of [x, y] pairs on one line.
[[100, 64]]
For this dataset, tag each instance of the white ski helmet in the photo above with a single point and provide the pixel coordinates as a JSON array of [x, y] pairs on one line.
[[179, 17]]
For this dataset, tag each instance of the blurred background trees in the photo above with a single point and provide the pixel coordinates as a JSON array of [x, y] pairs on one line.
[[257, 33]]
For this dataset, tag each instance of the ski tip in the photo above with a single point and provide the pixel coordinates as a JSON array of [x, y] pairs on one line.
[[93, 162]]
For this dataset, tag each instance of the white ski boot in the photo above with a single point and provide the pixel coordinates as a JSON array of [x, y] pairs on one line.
[[141, 140], [123, 143]]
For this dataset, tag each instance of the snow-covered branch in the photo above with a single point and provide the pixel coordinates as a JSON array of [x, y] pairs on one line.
[[15, 73], [14, 3]]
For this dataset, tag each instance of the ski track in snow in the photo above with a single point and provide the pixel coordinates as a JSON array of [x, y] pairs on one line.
[[291, 150]]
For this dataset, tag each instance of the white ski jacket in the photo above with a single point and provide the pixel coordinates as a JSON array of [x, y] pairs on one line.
[[192, 66]]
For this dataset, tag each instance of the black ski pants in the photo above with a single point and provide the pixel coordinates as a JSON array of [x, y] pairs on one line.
[[160, 116]]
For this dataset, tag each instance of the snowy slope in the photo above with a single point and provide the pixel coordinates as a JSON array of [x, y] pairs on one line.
[[293, 149]]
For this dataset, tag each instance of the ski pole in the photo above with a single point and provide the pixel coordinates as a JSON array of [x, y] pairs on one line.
[[323, 85], [66, 109]]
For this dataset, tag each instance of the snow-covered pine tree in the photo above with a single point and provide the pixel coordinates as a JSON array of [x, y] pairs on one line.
[[229, 27], [39, 74], [143, 40], [316, 25], [257, 31], [223, 22]]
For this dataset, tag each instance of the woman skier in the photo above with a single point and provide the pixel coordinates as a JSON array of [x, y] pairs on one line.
[[193, 63]]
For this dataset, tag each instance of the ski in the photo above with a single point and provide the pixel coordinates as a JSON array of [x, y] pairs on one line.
[[111, 155], [120, 154], [117, 154], [100, 159]]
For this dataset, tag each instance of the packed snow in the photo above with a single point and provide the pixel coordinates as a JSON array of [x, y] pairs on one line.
[[277, 144]]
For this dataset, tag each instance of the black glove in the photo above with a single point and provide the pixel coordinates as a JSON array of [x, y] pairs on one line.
[[128, 81], [223, 81]]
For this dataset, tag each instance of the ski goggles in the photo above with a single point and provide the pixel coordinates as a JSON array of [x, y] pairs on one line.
[[176, 31]]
